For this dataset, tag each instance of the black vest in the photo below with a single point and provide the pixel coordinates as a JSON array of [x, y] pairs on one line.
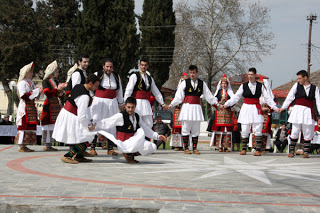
[[189, 91], [247, 92], [77, 91], [127, 124], [83, 79], [115, 75], [219, 95], [140, 85], [301, 93], [47, 84]]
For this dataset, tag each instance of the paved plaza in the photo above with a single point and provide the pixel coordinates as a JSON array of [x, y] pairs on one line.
[[166, 181]]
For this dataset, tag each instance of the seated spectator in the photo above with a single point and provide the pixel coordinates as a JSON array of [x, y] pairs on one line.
[[6, 139], [281, 138], [162, 129]]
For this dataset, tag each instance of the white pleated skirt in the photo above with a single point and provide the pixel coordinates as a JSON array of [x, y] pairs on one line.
[[68, 130], [102, 108], [249, 114], [143, 107], [191, 112], [301, 115]]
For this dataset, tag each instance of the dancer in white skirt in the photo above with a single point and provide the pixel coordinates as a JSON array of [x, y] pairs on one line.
[[191, 115], [131, 132], [302, 115], [267, 114], [106, 101], [140, 86], [251, 112], [27, 114], [72, 126]]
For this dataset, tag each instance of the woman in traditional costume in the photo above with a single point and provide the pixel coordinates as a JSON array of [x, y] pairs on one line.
[[223, 118], [51, 106], [27, 116]]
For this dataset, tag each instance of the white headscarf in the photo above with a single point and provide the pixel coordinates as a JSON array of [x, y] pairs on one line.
[[24, 70], [71, 70], [51, 68], [268, 88], [229, 89]]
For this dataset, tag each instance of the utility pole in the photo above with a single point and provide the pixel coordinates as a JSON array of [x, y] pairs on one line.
[[310, 18]]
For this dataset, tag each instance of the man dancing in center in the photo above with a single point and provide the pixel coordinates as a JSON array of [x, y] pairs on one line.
[[131, 132], [191, 115], [251, 111]]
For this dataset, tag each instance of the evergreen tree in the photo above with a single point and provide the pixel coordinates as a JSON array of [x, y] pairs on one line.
[[108, 29], [19, 44], [157, 24], [59, 19]]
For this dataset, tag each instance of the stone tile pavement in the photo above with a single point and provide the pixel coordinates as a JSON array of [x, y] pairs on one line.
[[166, 181]]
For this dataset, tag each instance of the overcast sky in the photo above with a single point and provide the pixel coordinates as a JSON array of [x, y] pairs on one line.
[[290, 28]]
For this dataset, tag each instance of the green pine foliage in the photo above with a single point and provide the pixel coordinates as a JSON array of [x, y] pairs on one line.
[[59, 20], [19, 44], [157, 24], [18, 36], [107, 29]]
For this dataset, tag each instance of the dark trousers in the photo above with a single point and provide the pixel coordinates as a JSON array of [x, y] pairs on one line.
[[159, 143], [281, 145]]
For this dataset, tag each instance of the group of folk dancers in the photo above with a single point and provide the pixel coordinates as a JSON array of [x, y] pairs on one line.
[[96, 109]]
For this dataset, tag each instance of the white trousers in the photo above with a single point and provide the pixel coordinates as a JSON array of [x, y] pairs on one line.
[[147, 119], [307, 130], [190, 127], [256, 129]]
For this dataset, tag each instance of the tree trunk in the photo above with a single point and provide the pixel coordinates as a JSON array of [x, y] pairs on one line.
[[8, 91]]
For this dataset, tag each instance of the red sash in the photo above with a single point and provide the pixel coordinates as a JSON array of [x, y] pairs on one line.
[[70, 108], [106, 93], [192, 99], [141, 94], [122, 136], [307, 103], [254, 101]]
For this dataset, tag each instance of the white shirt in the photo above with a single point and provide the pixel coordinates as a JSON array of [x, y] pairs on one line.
[[82, 103], [76, 78], [117, 120], [109, 82], [252, 86], [180, 94], [292, 95], [132, 82]]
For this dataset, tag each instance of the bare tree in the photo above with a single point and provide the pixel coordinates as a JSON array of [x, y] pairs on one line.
[[220, 36]]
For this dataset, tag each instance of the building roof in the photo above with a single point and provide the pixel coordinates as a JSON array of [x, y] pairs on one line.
[[280, 93]]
